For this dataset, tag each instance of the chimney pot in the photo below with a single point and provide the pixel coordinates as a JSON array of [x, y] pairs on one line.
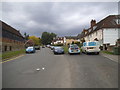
[[93, 23]]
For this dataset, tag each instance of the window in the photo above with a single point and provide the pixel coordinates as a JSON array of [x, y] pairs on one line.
[[92, 44], [84, 44], [117, 21], [5, 48], [10, 48], [94, 27]]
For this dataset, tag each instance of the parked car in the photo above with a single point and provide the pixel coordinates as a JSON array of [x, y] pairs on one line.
[[37, 47], [73, 49], [91, 47], [58, 50], [48, 46], [43, 46], [52, 47], [30, 49]]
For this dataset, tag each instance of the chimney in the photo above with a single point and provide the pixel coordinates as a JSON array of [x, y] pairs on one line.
[[93, 23]]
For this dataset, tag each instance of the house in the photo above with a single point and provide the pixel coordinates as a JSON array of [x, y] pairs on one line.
[[70, 39], [58, 40], [11, 38], [82, 35], [106, 32], [29, 42]]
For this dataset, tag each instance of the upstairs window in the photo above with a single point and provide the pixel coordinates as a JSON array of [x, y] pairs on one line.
[[94, 27], [117, 21]]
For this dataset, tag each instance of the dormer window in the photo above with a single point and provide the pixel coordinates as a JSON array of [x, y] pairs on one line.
[[94, 27], [89, 30], [117, 21]]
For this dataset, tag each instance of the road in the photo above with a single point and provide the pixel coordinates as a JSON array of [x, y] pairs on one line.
[[60, 71]]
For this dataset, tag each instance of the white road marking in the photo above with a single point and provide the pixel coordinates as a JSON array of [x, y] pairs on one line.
[[38, 69], [43, 68]]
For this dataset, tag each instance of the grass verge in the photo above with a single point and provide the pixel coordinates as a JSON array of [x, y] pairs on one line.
[[65, 49], [10, 54], [107, 52]]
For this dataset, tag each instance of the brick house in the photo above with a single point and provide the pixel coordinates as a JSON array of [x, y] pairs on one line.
[[11, 39]]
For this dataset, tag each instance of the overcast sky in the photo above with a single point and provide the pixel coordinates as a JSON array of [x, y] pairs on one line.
[[62, 18]]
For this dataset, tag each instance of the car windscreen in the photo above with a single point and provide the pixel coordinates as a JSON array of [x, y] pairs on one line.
[[30, 48], [92, 44], [58, 48], [74, 46]]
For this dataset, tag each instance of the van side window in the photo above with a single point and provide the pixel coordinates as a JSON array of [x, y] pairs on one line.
[[84, 44]]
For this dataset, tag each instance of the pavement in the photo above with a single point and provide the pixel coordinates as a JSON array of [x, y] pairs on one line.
[[46, 70], [111, 57]]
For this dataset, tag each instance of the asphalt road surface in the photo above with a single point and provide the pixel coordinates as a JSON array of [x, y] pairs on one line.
[[46, 70]]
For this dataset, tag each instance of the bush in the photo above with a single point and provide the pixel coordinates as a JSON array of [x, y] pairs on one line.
[[116, 50], [79, 44]]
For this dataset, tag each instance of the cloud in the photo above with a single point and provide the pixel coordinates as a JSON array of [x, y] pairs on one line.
[[62, 18]]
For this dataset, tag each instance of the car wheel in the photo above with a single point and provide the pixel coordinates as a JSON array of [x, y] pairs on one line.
[[97, 53], [86, 53]]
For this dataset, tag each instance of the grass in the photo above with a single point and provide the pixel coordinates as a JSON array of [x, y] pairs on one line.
[[65, 49], [10, 54], [108, 52]]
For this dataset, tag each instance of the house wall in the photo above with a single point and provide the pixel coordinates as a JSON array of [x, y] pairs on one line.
[[97, 34], [0, 44], [86, 38], [11, 45], [110, 36], [59, 42], [69, 41]]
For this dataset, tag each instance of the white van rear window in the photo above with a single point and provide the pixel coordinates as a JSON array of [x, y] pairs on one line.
[[92, 44]]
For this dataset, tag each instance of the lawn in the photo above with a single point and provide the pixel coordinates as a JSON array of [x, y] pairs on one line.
[[107, 52], [10, 54]]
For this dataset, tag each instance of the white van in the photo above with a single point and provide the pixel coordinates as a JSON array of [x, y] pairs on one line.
[[91, 47]]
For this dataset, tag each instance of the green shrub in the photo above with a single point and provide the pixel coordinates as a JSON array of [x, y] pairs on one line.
[[116, 50]]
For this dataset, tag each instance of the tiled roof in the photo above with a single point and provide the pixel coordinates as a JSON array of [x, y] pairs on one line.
[[71, 37], [108, 22], [83, 33], [10, 29]]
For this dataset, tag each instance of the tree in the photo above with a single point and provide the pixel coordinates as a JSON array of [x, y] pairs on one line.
[[47, 38], [26, 36], [35, 39]]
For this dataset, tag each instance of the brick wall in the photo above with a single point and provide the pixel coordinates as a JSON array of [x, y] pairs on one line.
[[11, 45]]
